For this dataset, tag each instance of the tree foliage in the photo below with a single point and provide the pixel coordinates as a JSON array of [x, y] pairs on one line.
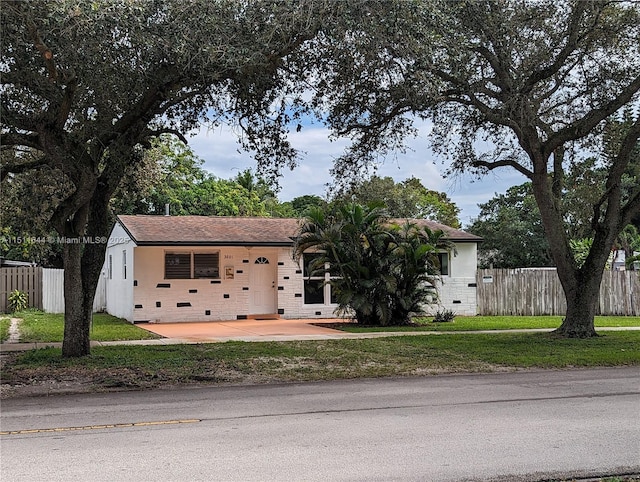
[[511, 231], [406, 199], [380, 273], [511, 226], [27, 202], [172, 175]]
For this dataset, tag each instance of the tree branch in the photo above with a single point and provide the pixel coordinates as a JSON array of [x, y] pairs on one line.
[[143, 111], [558, 173], [12, 139], [491, 165], [614, 177], [573, 38], [166, 130], [19, 167], [631, 209], [16, 119], [585, 125], [46, 53], [496, 65]]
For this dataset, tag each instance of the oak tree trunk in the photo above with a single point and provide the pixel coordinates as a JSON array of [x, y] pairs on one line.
[[78, 304], [83, 263], [582, 304], [581, 285]]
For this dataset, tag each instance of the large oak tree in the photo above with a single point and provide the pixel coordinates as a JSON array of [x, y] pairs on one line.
[[525, 85], [86, 85]]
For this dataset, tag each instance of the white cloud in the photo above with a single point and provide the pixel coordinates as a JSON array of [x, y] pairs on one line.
[[219, 149]]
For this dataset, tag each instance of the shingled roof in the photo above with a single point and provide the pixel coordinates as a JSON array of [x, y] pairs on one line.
[[209, 230], [233, 231], [452, 234]]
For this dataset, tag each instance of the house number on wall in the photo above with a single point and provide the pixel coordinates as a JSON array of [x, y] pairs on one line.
[[228, 256]]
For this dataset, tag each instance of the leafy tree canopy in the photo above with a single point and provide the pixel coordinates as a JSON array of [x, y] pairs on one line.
[[171, 174], [512, 232], [406, 199]]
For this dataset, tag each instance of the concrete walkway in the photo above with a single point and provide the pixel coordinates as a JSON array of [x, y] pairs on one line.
[[261, 330]]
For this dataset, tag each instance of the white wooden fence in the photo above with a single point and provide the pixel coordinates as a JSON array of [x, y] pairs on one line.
[[533, 292], [45, 288]]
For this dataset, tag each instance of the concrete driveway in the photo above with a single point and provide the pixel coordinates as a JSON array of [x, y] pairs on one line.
[[245, 330]]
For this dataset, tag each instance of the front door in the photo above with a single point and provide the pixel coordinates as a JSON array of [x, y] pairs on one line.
[[262, 285]]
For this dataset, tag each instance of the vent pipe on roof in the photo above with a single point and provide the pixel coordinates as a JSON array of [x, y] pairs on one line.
[[166, 209]]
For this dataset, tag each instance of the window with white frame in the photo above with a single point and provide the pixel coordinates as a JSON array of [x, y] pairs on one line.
[[110, 267], [187, 265], [317, 290], [124, 264]]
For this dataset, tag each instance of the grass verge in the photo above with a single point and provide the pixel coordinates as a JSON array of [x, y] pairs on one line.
[[37, 326], [5, 323], [138, 367], [477, 323]]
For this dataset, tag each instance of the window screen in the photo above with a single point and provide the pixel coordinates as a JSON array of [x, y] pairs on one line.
[[177, 265], [206, 265]]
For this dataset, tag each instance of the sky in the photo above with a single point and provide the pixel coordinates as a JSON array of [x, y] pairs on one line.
[[219, 149]]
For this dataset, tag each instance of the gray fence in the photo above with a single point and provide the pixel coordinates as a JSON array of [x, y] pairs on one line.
[[45, 288], [532, 292]]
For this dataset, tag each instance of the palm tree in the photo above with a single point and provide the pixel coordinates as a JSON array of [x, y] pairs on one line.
[[379, 272], [415, 268]]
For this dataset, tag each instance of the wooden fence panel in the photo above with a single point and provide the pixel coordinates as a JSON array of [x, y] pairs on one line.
[[620, 293], [27, 279], [45, 288], [537, 292]]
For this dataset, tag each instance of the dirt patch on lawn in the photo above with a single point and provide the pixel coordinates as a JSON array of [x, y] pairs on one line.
[[21, 381]]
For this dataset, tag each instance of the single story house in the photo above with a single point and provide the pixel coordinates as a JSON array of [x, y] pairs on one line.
[[200, 268]]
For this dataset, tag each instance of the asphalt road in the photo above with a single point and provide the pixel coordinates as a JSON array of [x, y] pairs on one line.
[[510, 426]]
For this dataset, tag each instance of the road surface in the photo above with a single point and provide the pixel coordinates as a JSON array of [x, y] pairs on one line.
[[509, 426]]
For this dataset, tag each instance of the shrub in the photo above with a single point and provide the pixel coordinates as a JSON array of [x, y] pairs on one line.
[[18, 301], [444, 316]]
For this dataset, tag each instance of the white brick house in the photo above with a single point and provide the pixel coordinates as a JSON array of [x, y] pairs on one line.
[[199, 268]]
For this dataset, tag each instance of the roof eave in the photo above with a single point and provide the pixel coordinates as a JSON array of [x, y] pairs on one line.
[[273, 244]]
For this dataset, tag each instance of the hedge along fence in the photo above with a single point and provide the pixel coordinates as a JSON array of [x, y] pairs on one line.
[[44, 286], [536, 292]]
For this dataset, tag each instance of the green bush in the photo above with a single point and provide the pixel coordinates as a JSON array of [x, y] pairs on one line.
[[444, 316], [18, 301]]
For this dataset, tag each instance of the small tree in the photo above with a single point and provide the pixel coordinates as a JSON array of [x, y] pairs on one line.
[[379, 271]]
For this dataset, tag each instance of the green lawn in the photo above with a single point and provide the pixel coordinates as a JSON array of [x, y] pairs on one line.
[[5, 323], [476, 323], [37, 326], [264, 362]]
